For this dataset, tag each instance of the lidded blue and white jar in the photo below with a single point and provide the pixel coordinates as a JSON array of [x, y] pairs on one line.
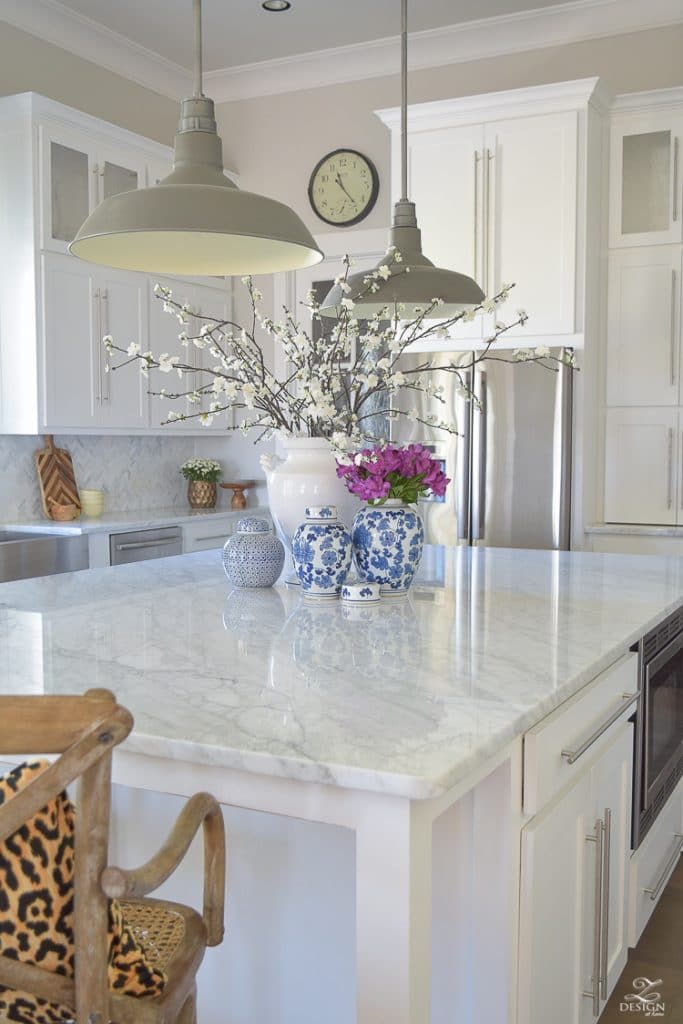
[[322, 552], [253, 556]]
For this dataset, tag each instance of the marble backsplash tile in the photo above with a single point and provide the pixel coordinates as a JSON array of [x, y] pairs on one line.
[[134, 472]]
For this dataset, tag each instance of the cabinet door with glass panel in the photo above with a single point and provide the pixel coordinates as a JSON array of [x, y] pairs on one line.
[[645, 192], [78, 172]]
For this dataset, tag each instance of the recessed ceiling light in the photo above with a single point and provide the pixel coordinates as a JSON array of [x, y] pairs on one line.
[[276, 5]]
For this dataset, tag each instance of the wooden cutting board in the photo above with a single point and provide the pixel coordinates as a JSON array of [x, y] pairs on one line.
[[56, 476]]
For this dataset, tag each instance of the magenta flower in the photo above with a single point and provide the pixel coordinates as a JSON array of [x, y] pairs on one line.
[[389, 471]]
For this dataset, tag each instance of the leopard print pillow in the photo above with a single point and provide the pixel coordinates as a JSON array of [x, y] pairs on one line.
[[36, 909]]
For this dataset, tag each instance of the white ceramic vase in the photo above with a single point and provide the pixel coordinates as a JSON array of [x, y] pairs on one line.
[[307, 476]]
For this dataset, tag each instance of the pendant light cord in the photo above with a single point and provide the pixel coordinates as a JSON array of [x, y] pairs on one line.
[[197, 13], [404, 99]]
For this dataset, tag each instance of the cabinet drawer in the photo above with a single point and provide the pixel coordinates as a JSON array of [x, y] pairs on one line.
[[653, 863], [206, 534], [580, 729]]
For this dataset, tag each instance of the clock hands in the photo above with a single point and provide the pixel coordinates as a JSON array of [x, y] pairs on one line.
[[339, 181]]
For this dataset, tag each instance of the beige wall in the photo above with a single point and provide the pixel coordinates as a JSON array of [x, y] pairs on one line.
[[275, 141], [28, 64]]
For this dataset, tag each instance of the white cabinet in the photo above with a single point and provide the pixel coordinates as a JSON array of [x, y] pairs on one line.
[[573, 927], [81, 303], [56, 165], [204, 302], [531, 219], [78, 171], [504, 201], [643, 326], [645, 178], [642, 456]]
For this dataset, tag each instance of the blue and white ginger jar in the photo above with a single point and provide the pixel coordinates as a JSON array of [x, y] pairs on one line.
[[322, 552], [387, 545], [253, 557]]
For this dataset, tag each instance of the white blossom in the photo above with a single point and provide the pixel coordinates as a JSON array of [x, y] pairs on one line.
[[133, 349]]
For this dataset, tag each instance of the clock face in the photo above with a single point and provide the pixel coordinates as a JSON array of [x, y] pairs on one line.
[[343, 187]]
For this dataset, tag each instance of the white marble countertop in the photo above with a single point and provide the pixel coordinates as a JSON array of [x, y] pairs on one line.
[[139, 519], [407, 697]]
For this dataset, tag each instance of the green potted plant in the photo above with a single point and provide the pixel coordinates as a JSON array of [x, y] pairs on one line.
[[202, 476]]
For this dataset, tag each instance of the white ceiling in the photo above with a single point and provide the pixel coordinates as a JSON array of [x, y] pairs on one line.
[[250, 52], [241, 32]]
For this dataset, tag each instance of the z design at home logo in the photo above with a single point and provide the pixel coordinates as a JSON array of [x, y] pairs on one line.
[[644, 999]]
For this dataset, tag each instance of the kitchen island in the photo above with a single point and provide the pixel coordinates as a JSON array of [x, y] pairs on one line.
[[396, 728]]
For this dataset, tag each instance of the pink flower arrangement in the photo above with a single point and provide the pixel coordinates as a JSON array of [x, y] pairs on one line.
[[389, 471]]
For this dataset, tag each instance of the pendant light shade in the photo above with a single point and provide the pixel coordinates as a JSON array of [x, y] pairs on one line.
[[196, 221], [414, 281]]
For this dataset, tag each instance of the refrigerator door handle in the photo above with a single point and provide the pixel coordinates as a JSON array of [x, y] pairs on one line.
[[479, 455], [463, 472], [562, 540]]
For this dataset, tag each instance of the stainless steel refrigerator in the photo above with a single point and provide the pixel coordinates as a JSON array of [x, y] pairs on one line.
[[511, 463]]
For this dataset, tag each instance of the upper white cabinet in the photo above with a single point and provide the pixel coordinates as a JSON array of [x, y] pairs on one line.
[[56, 165], [81, 304], [77, 173], [503, 198], [645, 194], [643, 326]]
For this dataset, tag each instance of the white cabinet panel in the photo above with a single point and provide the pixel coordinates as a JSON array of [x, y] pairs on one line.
[[612, 780], [645, 179], [573, 899], [643, 329], [532, 219], [71, 360], [641, 459], [554, 856], [80, 305], [446, 184]]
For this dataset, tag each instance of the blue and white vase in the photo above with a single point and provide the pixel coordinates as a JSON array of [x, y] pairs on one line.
[[387, 545], [322, 552], [253, 556]]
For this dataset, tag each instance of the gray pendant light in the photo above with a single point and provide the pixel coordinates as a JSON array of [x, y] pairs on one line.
[[415, 281], [196, 221]]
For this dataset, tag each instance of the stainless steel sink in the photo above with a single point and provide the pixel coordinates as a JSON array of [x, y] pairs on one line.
[[24, 555]]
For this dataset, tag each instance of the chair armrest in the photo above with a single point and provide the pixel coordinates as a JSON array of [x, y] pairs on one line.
[[201, 809]]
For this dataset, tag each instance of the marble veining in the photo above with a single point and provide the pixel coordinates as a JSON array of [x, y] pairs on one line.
[[406, 697]]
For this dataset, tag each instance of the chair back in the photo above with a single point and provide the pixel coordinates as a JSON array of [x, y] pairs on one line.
[[83, 730]]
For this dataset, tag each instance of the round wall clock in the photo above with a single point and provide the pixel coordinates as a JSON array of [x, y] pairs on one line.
[[343, 187]]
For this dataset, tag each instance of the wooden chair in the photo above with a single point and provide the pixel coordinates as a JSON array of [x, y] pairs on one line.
[[84, 730]]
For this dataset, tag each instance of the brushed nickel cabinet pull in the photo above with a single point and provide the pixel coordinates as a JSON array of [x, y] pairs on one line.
[[605, 903], [571, 756], [476, 210], [98, 334], [104, 329], [672, 331], [674, 205], [654, 892], [670, 473], [594, 992]]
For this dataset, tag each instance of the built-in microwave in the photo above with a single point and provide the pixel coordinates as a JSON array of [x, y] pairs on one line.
[[658, 763]]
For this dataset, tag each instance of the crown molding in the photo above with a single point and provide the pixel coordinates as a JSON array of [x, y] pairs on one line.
[[655, 99], [571, 22], [534, 99], [80, 35], [559, 25]]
